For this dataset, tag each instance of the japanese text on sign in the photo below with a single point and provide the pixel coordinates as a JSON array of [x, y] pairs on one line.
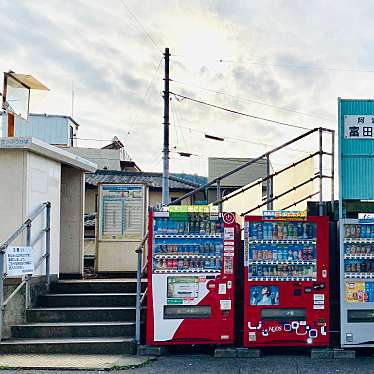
[[358, 127], [19, 261], [121, 212]]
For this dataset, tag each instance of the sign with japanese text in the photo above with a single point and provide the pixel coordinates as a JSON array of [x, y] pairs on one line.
[[19, 261], [358, 127], [122, 210], [287, 215]]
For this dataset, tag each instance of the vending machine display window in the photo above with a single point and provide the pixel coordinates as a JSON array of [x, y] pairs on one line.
[[357, 282]]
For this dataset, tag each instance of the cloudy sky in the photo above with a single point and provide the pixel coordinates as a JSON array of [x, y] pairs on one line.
[[285, 60]]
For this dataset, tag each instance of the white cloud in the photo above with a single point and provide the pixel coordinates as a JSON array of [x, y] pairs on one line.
[[100, 47]]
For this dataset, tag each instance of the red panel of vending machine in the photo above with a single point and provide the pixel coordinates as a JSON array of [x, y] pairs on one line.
[[286, 290], [191, 266]]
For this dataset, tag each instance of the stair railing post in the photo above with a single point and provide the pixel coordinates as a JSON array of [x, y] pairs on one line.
[[2, 253], [27, 277], [320, 172], [139, 251], [48, 244], [219, 195]]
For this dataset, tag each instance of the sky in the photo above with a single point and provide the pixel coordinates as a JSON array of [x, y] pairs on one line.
[[284, 60]]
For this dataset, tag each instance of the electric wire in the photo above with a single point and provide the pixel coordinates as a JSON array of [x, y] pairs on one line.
[[145, 97], [250, 100], [239, 113], [311, 67], [140, 24]]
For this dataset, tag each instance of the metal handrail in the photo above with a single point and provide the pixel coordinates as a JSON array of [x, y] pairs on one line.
[[246, 164], [46, 256], [139, 297], [264, 179], [269, 177]]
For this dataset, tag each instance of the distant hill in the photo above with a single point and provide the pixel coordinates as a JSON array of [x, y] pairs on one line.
[[192, 178]]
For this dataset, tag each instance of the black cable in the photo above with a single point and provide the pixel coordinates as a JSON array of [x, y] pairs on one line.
[[240, 113], [145, 31]]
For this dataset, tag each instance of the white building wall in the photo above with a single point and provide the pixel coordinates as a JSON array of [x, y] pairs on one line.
[[28, 180], [43, 181]]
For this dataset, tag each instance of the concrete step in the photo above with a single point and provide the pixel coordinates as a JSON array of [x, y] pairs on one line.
[[96, 286], [87, 299], [73, 330], [87, 314], [74, 345]]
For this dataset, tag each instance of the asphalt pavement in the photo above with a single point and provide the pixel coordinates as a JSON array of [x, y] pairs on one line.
[[207, 363]]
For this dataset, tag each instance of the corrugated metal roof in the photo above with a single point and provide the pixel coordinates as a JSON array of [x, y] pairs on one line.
[[357, 156], [153, 180]]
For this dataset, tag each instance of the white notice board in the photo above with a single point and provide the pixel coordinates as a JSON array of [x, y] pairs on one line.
[[19, 261], [121, 212]]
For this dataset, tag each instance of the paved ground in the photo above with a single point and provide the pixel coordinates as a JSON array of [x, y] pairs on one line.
[[70, 361], [206, 364]]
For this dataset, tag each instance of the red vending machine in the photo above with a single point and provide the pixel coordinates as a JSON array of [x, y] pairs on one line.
[[286, 291], [191, 282]]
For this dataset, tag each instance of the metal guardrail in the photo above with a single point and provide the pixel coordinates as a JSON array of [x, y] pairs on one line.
[[269, 177], [27, 225], [139, 297]]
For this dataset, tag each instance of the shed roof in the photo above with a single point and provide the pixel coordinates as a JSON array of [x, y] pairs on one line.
[[153, 180]]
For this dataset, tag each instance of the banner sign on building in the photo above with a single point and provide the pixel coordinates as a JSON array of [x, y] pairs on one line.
[[359, 127], [19, 261], [121, 213]]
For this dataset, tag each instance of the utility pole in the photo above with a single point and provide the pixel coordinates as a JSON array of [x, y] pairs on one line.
[[165, 150]]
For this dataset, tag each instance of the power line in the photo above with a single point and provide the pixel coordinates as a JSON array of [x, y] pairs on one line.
[[239, 113], [134, 118], [140, 24], [311, 67], [233, 140], [251, 101]]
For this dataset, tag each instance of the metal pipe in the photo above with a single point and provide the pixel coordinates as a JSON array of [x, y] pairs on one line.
[[301, 200], [10, 297], [22, 227], [320, 173], [264, 179], [41, 234], [48, 245], [27, 277], [143, 296], [139, 251], [268, 182], [245, 165], [219, 195], [280, 195]]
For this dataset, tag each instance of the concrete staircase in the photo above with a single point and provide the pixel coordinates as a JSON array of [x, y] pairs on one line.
[[79, 316]]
